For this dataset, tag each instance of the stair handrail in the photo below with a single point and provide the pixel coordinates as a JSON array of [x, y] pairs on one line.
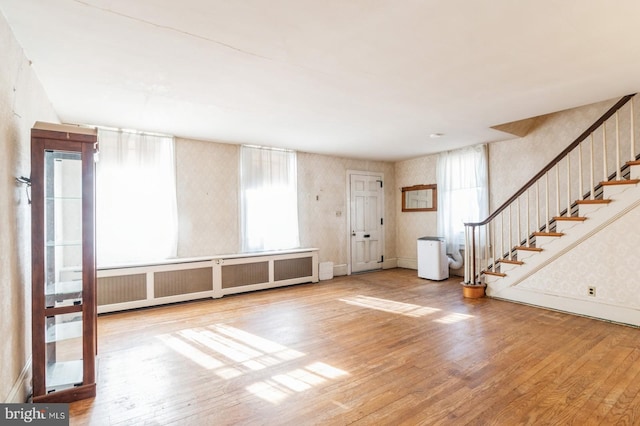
[[556, 160], [599, 122]]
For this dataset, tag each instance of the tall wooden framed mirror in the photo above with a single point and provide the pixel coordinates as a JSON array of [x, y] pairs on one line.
[[420, 198]]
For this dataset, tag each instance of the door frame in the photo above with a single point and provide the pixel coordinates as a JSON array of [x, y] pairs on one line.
[[379, 175]]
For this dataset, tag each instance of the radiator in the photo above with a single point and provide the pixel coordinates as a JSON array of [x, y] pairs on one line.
[[245, 274], [121, 289], [172, 283], [188, 279]]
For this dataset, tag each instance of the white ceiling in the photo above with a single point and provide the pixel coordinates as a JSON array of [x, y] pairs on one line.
[[356, 78]]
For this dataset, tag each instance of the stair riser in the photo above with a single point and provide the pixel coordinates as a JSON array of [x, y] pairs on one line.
[[489, 279], [613, 191], [506, 267], [542, 241], [587, 209], [564, 226], [635, 172], [524, 254]]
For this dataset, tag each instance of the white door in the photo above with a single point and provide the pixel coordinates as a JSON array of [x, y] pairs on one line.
[[367, 208]]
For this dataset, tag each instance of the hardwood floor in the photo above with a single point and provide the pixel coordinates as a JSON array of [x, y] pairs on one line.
[[378, 348]]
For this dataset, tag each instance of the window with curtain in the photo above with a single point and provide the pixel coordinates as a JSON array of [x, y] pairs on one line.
[[268, 199], [463, 194], [136, 208]]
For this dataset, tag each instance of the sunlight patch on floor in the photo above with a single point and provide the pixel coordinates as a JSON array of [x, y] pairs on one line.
[[280, 386], [230, 352], [453, 318], [385, 305], [187, 350]]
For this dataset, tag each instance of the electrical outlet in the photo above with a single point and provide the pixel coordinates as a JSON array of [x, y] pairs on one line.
[[591, 291]]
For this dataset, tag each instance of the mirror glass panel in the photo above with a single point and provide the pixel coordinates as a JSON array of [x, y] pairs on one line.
[[419, 198]]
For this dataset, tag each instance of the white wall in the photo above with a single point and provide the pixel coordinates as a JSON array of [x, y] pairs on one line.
[[22, 102]]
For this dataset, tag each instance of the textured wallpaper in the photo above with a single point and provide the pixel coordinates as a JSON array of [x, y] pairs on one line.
[[207, 191], [513, 162], [22, 103], [412, 225], [207, 188], [608, 261], [322, 197]]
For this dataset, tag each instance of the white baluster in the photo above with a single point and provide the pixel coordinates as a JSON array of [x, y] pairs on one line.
[[528, 230], [519, 229], [466, 255], [605, 177], [538, 205], [502, 233], [486, 245], [633, 133], [493, 242], [510, 244], [592, 187], [546, 200], [580, 186], [617, 147], [568, 184], [557, 189]]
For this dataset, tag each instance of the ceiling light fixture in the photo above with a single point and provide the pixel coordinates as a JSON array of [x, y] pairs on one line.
[[436, 135]]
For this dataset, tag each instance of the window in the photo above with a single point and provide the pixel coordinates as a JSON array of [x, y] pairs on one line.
[[462, 192], [136, 209], [269, 199]]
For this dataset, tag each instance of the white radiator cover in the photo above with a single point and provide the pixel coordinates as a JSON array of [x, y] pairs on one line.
[[178, 280]]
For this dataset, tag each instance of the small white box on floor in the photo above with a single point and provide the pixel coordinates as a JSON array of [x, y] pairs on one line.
[[433, 263], [325, 271]]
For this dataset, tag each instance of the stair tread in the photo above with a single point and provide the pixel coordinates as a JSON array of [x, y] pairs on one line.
[[511, 262], [620, 182], [548, 234], [495, 274], [524, 248], [633, 163], [570, 218], [606, 201]]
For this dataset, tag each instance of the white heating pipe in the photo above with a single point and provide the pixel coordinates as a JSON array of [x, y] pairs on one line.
[[455, 260]]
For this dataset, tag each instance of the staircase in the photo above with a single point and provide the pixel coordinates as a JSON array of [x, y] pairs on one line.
[[592, 184]]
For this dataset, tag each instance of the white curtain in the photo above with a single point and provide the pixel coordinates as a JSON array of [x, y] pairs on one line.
[[463, 194], [268, 199], [136, 209]]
